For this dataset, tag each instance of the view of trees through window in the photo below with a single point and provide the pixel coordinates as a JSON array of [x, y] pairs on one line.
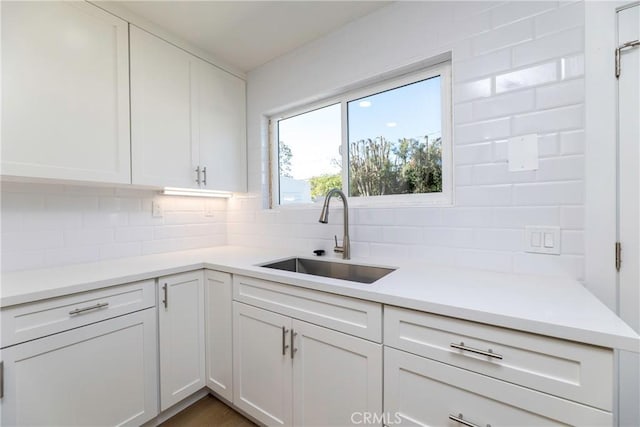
[[394, 146]]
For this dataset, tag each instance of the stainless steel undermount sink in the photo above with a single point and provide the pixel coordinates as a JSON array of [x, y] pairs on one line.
[[334, 270]]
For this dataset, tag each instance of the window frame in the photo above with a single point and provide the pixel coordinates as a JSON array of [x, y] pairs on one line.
[[440, 199]]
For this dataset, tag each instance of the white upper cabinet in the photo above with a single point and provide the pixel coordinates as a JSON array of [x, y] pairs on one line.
[[188, 119], [221, 129], [65, 92], [161, 106]]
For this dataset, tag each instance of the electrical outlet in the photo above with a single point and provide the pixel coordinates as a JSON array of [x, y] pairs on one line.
[[156, 209], [542, 240], [209, 209]]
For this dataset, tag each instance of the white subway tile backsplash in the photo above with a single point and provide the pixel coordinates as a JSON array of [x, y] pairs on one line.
[[527, 77], [436, 255], [514, 11], [403, 235], [504, 105], [467, 217], [481, 66], [557, 119], [549, 193], [572, 142], [560, 19], [474, 153], [477, 89], [463, 113], [420, 216], [553, 46], [572, 242], [502, 37], [520, 217], [572, 217], [572, 66], [561, 169], [482, 131], [561, 94], [485, 195], [88, 237]]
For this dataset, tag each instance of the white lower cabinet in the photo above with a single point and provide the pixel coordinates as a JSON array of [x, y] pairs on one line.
[[181, 326], [290, 372], [218, 336], [102, 374], [423, 392]]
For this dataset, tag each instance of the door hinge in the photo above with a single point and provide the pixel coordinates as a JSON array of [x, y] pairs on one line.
[[618, 255], [619, 49]]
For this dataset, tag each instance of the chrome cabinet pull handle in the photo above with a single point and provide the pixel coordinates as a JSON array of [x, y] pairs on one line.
[[459, 419], [204, 173], [1, 380], [93, 307], [293, 349], [198, 175], [488, 353], [165, 301], [284, 340]]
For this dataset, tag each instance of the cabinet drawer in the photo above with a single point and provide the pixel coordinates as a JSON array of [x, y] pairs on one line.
[[30, 321], [423, 392], [352, 316], [567, 369]]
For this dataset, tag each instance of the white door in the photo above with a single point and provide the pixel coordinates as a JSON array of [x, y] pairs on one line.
[[221, 128], [102, 374], [337, 378], [181, 325], [262, 364], [65, 92], [218, 331], [162, 103], [629, 208]]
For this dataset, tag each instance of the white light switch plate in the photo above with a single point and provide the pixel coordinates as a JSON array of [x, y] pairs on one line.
[[156, 209], [523, 153], [542, 240]]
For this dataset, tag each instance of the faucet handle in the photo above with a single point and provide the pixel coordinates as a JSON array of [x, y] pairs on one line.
[[338, 249]]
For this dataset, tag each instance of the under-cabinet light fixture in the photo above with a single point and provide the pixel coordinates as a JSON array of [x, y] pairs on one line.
[[171, 191]]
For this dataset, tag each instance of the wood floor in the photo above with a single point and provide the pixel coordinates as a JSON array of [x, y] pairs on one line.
[[208, 411]]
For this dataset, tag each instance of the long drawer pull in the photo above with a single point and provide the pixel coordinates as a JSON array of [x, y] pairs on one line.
[[284, 340], [459, 419], [488, 353], [93, 307], [165, 291], [293, 349]]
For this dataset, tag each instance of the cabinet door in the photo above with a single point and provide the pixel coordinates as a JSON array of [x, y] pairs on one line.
[[262, 365], [337, 378], [162, 102], [181, 323], [101, 374], [221, 128], [423, 392], [65, 92], [219, 339]]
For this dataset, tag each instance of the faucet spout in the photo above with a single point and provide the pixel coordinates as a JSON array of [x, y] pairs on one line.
[[345, 249]]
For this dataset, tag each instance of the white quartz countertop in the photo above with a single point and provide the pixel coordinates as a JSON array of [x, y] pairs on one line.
[[555, 307]]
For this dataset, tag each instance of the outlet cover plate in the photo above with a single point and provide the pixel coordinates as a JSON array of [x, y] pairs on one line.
[[542, 240]]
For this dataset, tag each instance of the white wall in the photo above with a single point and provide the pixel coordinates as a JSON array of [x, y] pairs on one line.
[[52, 225], [537, 46]]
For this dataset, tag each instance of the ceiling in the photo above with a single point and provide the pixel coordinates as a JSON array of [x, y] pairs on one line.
[[247, 34]]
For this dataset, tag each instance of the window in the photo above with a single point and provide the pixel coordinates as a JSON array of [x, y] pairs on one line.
[[389, 143]]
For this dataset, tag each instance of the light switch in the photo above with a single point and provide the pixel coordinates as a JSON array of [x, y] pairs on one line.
[[542, 240], [523, 153], [536, 239]]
